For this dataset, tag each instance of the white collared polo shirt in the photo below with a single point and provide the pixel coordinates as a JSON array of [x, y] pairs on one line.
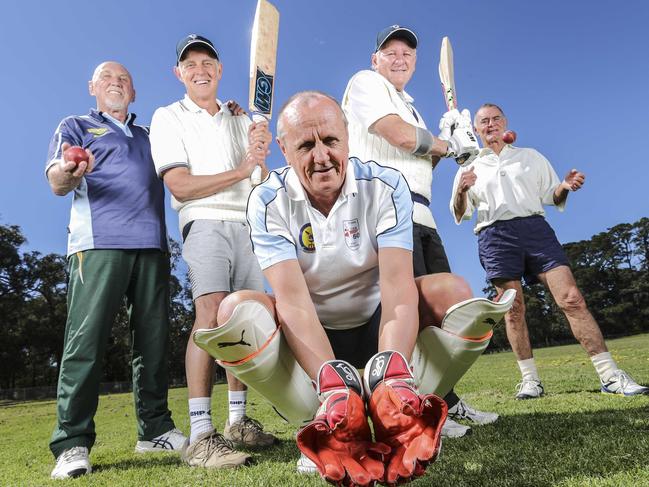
[[338, 254], [515, 184], [185, 135], [369, 97]]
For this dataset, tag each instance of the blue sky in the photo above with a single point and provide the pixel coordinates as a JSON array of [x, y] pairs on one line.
[[572, 77]]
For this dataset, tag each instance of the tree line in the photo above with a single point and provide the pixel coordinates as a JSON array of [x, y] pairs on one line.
[[611, 269]]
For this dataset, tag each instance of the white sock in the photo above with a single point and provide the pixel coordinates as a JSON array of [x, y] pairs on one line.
[[200, 417], [237, 405], [604, 365], [528, 369]]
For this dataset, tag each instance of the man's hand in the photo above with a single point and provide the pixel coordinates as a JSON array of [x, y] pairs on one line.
[[339, 440], [66, 176], [574, 180], [235, 108], [259, 139], [73, 169], [447, 123], [467, 179], [457, 132], [408, 422]]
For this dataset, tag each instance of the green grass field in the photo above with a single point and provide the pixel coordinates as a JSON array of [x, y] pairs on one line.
[[575, 436]]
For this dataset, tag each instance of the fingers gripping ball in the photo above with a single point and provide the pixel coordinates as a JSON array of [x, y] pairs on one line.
[[75, 154], [408, 422], [339, 440]]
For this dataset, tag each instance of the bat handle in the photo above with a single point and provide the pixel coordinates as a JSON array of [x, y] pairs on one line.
[[255, 177]]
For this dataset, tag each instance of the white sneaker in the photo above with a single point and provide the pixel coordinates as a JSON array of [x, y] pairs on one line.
[[463, 411], [622, 383], [529, 389], [305, 465], [172, 441], [451, 429], [73, 462]]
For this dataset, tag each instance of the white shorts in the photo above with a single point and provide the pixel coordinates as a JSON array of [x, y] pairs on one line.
[[220, 258]]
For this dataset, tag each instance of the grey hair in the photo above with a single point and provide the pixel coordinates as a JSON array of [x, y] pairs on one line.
[[487, 105], [299, 98]]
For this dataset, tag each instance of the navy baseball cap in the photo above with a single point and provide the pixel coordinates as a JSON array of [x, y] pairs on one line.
[[192, 40], [396, 32]]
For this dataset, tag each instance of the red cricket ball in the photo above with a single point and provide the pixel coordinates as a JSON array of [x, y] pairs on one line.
[[75, 154], [509, 137]]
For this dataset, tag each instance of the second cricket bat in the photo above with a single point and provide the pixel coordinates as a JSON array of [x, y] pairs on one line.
[[263, 57]]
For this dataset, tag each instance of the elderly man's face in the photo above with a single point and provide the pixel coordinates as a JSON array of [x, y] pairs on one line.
[[112, 85], [315, 144], [490, 124], [200, 74], [395, 61]]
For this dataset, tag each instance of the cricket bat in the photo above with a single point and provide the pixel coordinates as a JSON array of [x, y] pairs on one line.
[[446, 75], [263, 57], [447, 78]]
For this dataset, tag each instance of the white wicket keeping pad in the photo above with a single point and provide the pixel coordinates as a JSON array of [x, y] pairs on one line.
[[443, 355], [251, 346]]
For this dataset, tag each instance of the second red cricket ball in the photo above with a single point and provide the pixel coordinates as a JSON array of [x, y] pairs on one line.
[[509, 137]]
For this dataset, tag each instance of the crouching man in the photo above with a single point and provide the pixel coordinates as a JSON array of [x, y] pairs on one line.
[[334, 238]]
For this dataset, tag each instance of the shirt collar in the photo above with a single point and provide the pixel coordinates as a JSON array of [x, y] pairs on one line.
[[406, 97], [296, 192], [103, 117], [189, 104]]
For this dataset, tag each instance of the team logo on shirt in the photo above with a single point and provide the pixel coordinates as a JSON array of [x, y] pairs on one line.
[[306, 238], [352, 232], [100, 132]]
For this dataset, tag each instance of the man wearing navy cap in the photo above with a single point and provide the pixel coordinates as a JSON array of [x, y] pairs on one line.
[[385, 126], [205, 151], [117, 247]]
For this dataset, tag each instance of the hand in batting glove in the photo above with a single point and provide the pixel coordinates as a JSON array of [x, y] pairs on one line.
[[410, 423], [457, 132], [339, 440], [447, 123]]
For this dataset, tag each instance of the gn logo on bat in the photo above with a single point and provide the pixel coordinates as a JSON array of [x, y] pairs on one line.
[[263, 91]]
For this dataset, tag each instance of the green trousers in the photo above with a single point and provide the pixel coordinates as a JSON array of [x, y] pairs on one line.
[[99, 282]]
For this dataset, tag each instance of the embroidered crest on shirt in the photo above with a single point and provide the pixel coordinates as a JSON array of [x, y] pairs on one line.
[[98, 132], [306, 238], [352, 233]]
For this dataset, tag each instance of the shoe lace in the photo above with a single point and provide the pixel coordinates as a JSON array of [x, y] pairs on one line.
[[252, 424], [72, 453], [464, 411], [217, 442], [529, 383]]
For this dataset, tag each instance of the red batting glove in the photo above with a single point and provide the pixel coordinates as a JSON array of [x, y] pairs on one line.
[[339, 440], [407, 421]]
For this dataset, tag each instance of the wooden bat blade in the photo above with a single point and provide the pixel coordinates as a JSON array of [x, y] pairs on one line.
[[446, 75], [263, 56]]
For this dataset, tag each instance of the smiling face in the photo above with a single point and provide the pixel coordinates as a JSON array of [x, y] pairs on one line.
[[112, 86], [314, 140], [490, 125], [395, 61], [200, 72]]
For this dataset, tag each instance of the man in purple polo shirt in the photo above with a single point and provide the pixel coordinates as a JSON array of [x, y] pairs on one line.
[[117, 248]]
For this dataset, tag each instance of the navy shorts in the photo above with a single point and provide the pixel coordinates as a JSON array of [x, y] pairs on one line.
[[520, 248], [357, 345]]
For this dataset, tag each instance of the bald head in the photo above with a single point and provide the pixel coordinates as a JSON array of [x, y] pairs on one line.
[[109, 65], [298, 104], [112, 86]]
